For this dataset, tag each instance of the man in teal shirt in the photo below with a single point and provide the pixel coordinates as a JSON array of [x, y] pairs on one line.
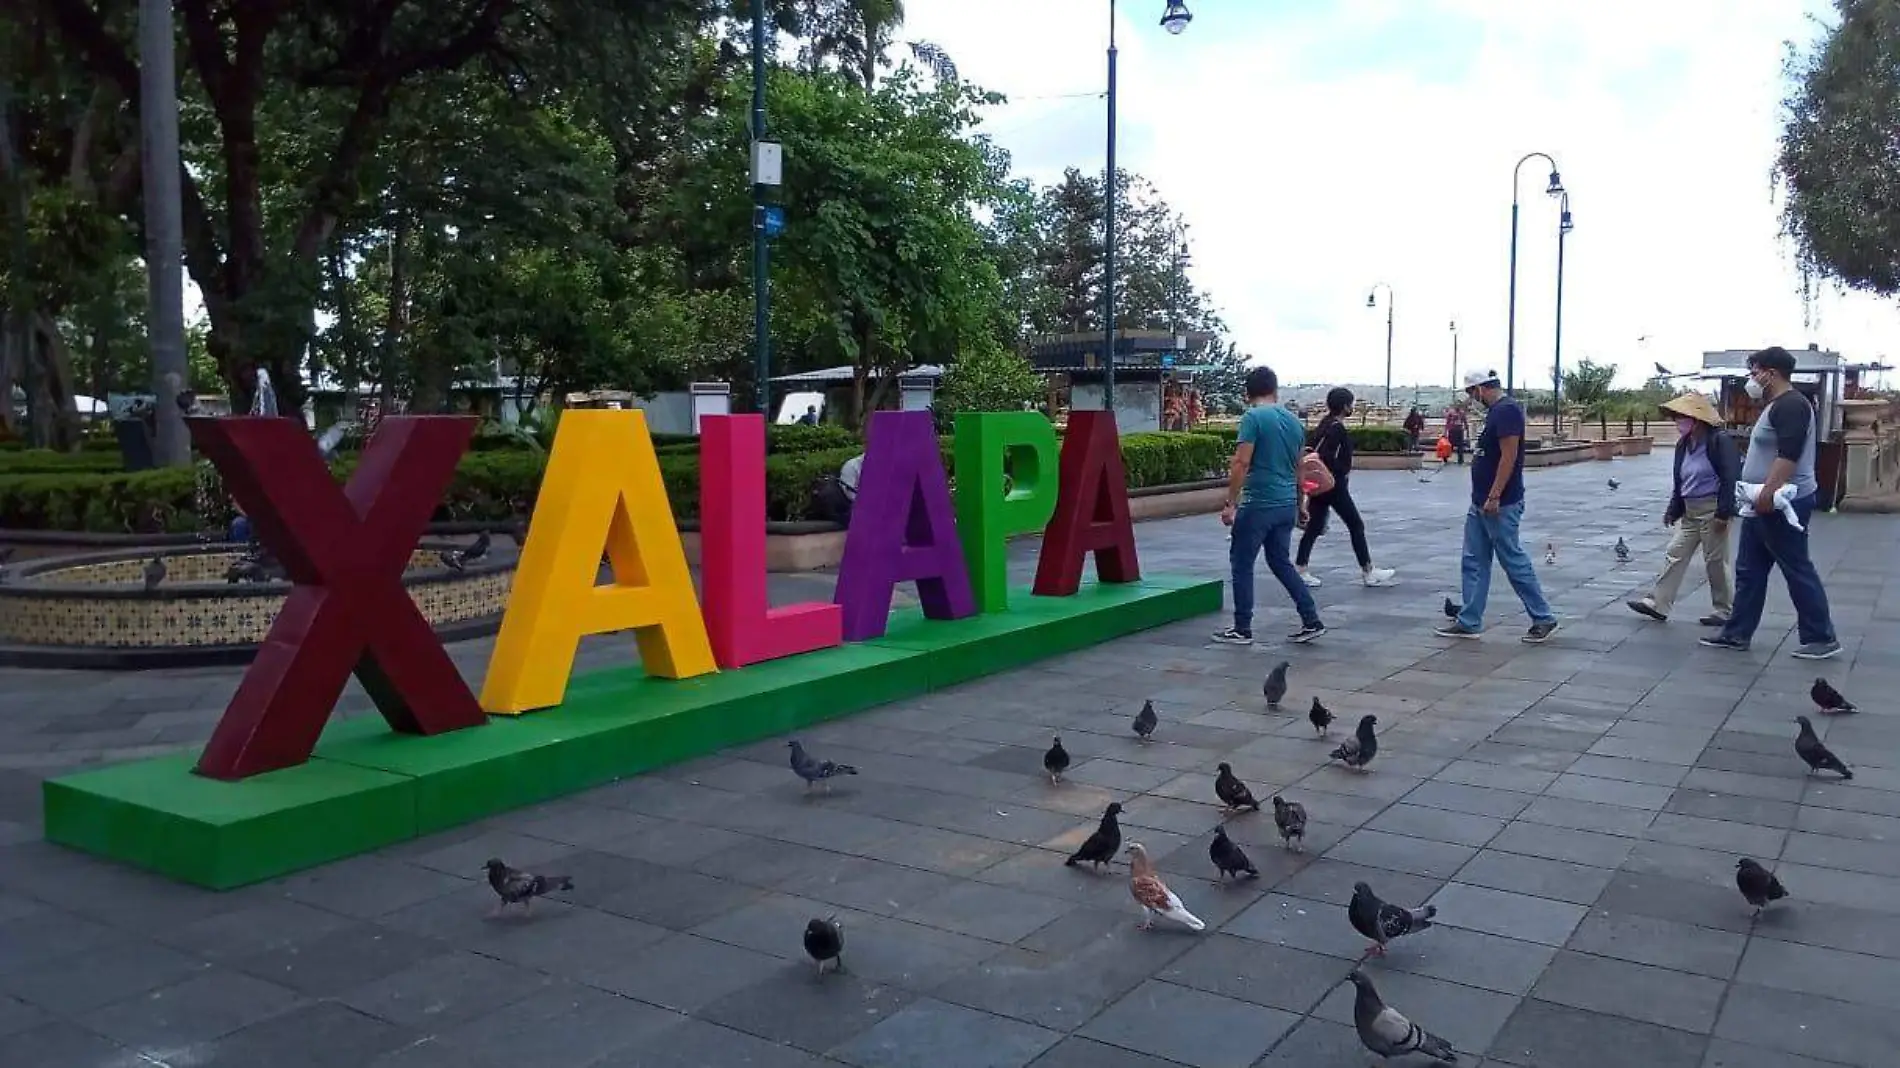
[[1265, 501]]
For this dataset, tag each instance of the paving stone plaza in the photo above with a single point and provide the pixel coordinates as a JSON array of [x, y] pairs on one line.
[[1574, 811]]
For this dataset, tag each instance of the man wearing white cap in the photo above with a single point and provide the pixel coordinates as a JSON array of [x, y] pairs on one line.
[[1491, 523]]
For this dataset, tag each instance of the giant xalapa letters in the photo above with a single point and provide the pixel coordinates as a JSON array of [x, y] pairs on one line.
[[345, 549]]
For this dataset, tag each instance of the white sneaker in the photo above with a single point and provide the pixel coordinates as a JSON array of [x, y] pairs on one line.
[[1381, 576], [1312, 581]]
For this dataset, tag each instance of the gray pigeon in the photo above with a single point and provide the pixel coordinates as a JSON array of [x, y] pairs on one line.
[[1386, 1032], [815, 771], [1828, 699], [1290, 817], [1146, 721], [154, 573], [1452, 608], [1232, 792], [1614, 483], [1055, 762], [824, 941], [1320, 717], [1100, 848], [477, 548], [1275, 686], [1757, 884], [1622, 551], [1228, 858], [1357, 751], [1383, 921], [520, 887], [453, 560], [1807, 745]]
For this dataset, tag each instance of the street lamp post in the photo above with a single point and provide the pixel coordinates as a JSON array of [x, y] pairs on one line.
[[1555, 188], [1564, 226], [1454, 356], [766, 168], [1372, 301], [1174, 19]]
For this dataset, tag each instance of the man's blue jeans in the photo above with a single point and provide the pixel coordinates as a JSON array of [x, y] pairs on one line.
[[1496, 536], [1768, 541], [1270, 528]]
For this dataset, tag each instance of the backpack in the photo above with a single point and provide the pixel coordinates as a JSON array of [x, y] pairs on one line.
[[1315, 477]]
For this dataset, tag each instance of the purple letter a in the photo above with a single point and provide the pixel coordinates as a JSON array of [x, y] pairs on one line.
[[902, 530]]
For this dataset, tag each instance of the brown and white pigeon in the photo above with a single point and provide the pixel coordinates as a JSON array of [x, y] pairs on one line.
[[1290, 818], [1232, 792], [1383, 921], [1757, 884], [1807, 745], [1153, 895], [1386, 1032], [516, 887], [1828, 699]]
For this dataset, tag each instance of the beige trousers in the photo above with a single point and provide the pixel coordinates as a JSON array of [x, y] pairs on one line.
[[1696, 529]]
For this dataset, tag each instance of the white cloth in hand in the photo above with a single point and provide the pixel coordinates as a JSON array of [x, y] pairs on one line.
[[1747, 492]]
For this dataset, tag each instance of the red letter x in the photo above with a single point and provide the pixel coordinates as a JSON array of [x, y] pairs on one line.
[[345, 550]]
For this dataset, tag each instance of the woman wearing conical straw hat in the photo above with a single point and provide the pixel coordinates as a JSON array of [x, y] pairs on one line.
[[1701, 505]]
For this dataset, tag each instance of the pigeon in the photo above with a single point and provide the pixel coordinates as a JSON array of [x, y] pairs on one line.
[[1452, 608], [247, 570], [1808, 746], [154, 573], [1829, 699], [1386, 1032], [477, 548], [1757, 884], [1275, 686], [1358, 750], [1146, 721], [1383, 921], [1550, 552], [1232, 792], [452, 560], [1227, 856], [1290, 817], [1101, 847], [520, 887], [1661, 371], [824, 941], [1622, 551], [518, 533], [1055, 762], [813, 771], [1614, 484], [1153, 895], [1319, 717]]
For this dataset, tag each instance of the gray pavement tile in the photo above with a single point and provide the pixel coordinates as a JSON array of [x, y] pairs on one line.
[[935, 1034], [945, 851], [1628, 770], [671, 842], [563, 1026], [62, 1043], [1720, 835], [1682, 862], [1587, 816], [1477, 800], [17, 1015], [1542, 1035], [1710, 901], [1318, 1043], [1831, 973], [70, 985], [1473, 958], [683, 972], [370, 886], [1437, 824], [1084, 1053], [39, 937], [320, 1035], [1191, 1027], [1465, 1016], [1512, 915], [697, 1044], [1658, 942], [1331, 881], [1496, 776], [246, 931], [1401, 853], [1634, 991], [996, 913], [1705, 804], [677, 899], [327, 964], [1263, 973], [1563, 843], [1845, 854], [1860, 825], [796, 1007], [445, 990], [1811, 1026], [1553, 879], [203, 1008], [1576, 787], [1725, 1054]]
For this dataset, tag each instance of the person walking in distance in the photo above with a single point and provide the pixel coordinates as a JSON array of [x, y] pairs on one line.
[[1700, 508], [1334, 446], [1780, 453], [1265, 500], [1497, 509], [1455, 429], [1414, 426]]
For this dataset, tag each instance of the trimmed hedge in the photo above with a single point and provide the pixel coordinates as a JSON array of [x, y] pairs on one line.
[[1381, 439], [497, 484]]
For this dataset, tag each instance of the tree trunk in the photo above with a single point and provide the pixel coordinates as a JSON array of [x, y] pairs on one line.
[[397, 317], [9, 362], [53, 407]]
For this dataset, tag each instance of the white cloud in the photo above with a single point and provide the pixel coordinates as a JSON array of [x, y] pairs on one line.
[[1318, 148]]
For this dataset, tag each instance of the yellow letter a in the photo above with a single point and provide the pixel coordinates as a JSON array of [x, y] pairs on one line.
[[602, 488]]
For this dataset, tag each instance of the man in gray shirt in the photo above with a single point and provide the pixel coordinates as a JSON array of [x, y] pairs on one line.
[[1780, 452]]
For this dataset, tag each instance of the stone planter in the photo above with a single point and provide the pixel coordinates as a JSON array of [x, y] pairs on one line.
[[1862, 414], [1606, 450], [1637, 445]]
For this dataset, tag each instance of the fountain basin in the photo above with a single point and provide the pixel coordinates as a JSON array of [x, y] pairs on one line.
[[92, 611]]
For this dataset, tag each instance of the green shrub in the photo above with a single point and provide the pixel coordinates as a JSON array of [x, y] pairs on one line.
[[48, 462], [163, 501]]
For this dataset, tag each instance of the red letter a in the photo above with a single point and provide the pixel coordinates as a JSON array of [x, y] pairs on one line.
[[1091, 511]]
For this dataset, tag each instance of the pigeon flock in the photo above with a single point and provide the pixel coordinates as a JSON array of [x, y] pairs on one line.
[[1382, 1029]]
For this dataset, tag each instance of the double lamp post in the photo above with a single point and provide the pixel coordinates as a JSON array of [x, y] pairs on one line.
[[1565, 224]]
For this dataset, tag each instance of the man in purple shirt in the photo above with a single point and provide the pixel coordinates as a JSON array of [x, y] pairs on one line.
[[1700, 509]]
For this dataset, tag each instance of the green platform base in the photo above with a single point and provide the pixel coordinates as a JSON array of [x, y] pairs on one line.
[[368, 787]]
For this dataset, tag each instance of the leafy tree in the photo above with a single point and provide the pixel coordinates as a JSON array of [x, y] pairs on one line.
[[1839, 161], [1224, 388], [1587, 383], [989, 378]]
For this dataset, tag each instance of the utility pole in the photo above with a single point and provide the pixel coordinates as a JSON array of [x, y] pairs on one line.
[[164, 227]]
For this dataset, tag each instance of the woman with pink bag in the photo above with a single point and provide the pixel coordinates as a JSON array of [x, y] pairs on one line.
[[1331, 456]]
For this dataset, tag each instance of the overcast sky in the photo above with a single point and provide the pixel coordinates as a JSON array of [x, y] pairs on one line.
[[1320, 146]]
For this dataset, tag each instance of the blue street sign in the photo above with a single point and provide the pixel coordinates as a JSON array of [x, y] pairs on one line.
[[1167, 359], [772, 217]]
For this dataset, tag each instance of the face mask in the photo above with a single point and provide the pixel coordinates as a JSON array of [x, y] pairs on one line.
[[1753, 389], [1684, 425]]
